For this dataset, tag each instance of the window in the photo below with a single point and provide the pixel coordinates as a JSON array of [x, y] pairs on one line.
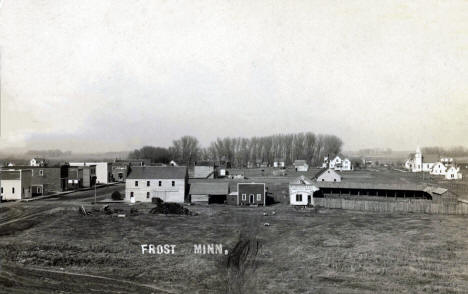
[[244, 197], [1, 190], [136, 183], [334, 180], [298, 197], [13, 190], [147, 183], [131, 194], [160, 183], [147, 195], [173, 183], [41, 172], [259, 197], [323, 180]]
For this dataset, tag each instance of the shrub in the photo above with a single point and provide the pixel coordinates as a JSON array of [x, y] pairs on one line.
[[117, 196]]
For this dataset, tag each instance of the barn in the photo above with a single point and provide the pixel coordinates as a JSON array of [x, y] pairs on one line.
[[209, 193], [328, 175]]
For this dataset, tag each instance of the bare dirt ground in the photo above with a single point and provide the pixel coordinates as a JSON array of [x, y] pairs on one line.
[[57, 250]]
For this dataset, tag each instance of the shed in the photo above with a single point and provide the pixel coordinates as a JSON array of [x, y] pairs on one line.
[[209, 192]]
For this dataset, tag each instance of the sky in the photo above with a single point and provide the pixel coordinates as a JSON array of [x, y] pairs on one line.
[[94, 76]]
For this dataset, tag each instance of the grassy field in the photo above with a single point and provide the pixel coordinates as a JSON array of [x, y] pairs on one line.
[[302, 251]]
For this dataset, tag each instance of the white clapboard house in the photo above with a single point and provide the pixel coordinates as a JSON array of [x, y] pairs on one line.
[[169, 183], [301, 191]]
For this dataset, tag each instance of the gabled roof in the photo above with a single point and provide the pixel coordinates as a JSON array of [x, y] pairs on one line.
[[323, 170], [299, 162], [209, 188], [302, 180], [157, 172]]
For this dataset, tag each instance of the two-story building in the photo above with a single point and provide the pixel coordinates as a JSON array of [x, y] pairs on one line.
[[169, 183], [103, 170], [46, 179], [15, 184]]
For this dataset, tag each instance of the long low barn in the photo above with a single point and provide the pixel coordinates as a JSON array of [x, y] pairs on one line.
[[380, 189], [209, 192]]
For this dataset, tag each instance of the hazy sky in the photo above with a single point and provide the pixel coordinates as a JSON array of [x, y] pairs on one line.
[[114, 75]]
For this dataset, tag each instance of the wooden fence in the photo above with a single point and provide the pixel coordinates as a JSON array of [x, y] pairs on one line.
[[421, 206]]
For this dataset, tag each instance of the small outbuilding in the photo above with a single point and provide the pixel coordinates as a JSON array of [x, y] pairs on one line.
[[301, 165], [301, 191], [328, 175], [251, 194]]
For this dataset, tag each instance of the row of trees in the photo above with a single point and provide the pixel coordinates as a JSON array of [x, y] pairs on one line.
[[452, 151], [240, 151]]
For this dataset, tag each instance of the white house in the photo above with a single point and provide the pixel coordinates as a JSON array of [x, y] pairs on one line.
[[279, 163], [337, 163], [38, 162], [453, 173], [169, 183], [103, 170], [301, 165], [328, 175], [301, 191], [439, 169], [15, 184]]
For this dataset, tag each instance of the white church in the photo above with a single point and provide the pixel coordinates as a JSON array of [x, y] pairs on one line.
[[433, 164]]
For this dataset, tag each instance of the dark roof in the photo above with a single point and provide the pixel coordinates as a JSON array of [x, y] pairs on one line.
[[431, 158], [302, 180], [377, 186], [209, 188], [158, 172]]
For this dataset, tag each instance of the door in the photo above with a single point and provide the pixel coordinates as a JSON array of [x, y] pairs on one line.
[[309, 199], [252, 198]]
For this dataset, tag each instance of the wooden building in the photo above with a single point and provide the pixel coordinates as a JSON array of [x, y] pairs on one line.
[[251, 194], [169, 183]]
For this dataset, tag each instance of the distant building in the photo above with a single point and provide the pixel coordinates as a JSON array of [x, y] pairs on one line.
[[301, 165], [15, 184], [337, 163], [251, 194], [328, 175], [103, 170], [119, 173], [147, 182], [279, 163], [453, 173], [438, 169], [301, 191], [38, 162], [205, 170], [419, 163], [209, 192], [81, 176]]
